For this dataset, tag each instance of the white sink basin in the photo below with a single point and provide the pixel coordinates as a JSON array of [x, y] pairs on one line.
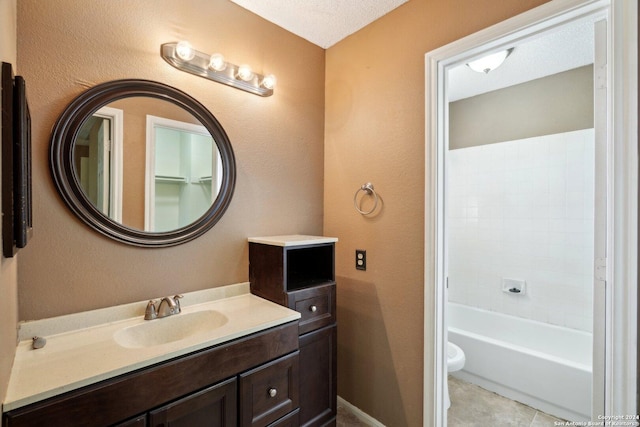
[[169, 329]]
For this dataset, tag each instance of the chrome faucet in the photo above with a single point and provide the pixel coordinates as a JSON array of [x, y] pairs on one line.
[[167, 306]]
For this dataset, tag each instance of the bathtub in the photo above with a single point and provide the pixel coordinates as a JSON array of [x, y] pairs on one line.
[[544, 366]]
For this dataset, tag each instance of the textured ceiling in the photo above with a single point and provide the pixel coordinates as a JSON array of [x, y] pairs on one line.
[[326, 22], [322, 22]]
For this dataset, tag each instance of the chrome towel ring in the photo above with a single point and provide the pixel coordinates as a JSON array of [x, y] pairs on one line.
[[367, 188]]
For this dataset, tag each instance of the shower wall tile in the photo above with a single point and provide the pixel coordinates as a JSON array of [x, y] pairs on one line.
[[524, 209]]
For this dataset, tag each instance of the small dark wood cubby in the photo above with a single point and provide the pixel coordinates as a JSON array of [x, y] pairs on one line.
[[299, 272]]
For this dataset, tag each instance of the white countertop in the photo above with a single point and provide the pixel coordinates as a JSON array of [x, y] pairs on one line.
[[292, 240], [76, 356]]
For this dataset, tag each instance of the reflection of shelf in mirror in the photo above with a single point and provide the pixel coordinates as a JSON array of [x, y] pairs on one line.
[[205, 179], [171, 179]]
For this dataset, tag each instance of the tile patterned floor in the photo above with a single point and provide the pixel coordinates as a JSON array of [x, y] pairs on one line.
[[347, 419], [473, 406]]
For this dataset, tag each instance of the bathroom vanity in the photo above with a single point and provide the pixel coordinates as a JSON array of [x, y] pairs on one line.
[[299, 272], [237, 368]]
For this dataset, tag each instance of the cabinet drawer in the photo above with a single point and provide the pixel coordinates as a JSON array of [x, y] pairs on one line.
[[140, 421], [214, 406], [291, 420], [269, 392], [316, 306]]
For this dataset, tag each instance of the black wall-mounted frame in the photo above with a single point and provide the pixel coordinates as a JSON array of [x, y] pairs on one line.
[[17, 223]]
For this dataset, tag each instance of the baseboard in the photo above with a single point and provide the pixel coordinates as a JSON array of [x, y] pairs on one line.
[[358, 413]]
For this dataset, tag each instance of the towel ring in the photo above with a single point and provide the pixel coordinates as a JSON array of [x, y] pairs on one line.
[[367, 188]]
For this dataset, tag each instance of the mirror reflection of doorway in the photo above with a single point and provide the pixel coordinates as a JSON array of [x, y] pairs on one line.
[[184, 173], [98, 163]]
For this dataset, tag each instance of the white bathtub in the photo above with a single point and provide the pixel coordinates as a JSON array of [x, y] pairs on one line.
[[544, 366]]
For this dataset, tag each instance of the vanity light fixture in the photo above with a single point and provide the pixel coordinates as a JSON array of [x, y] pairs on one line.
[[244, 73], [217, 62], [214, 67], [185, 51], [489, 62], [269, 81]]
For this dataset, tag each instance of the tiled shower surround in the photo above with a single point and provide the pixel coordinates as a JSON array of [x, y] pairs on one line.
[[524, 210]]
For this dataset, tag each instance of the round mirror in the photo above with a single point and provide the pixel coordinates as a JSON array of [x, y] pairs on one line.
[[143, 163]]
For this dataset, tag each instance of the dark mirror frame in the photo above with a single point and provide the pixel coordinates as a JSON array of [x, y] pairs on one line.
[[67, 182]]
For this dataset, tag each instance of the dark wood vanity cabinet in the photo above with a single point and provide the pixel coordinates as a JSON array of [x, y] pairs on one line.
[[214, 406], [300, 274], [251, 381]]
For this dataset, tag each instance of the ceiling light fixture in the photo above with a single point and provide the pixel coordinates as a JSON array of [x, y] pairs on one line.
[[489, 62], [214, 67]]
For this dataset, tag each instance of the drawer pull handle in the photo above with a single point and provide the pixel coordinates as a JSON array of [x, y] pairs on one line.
[[313, 309], [273, 392]]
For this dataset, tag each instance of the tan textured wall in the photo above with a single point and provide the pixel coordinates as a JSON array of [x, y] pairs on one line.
[[374, 131], [65, 46], [8, 266]]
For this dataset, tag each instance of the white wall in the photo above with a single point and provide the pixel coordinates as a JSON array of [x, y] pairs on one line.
[[524, 209]]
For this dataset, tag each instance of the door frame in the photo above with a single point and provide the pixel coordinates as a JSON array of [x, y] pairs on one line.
[[116, 116], [622, 190]]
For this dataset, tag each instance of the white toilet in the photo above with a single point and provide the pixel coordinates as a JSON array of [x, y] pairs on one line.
[[455, 362]]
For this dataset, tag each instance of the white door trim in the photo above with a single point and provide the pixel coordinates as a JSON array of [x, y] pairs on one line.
[[601, 297], [622, 241], [117, 129]]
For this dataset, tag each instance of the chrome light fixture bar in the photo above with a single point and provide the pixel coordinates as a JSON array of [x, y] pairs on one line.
[[213, 67]]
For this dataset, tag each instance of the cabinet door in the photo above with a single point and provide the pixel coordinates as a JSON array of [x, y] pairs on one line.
[[318, 374], [215, 406]]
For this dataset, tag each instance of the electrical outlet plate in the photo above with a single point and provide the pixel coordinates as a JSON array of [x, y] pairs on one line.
[[361, 259]]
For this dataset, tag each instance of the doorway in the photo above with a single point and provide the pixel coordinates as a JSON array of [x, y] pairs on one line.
[[519, 227], [98, 158], [183, 173], [614, 306]]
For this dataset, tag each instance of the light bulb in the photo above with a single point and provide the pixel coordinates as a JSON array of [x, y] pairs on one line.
[[269, 81], [244, 73], [217, 62], [185, 51]]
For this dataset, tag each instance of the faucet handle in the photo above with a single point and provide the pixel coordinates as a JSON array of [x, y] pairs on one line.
[[176, 298], [150, 312]]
